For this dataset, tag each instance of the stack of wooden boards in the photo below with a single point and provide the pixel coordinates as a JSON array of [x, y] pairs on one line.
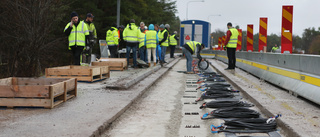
[[113, 63]]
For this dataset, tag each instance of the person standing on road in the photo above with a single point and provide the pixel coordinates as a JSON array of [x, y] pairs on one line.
[[130, 35], [121, 41], [92, 38], [163, 38], [112, 39], [274, 48], [142, 49], [190, 48], [151, 40], [158, 49], [231, 45], [173, 41], [77, 33]]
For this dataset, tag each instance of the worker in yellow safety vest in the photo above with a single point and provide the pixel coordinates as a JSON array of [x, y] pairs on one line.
[[131, 34], [274, 48], [142, 47], [151, 40], [77, 32], [112, 39], [173, 41], [190, 48], [92, 38], [231, 46], [163, 42], [143, 53]]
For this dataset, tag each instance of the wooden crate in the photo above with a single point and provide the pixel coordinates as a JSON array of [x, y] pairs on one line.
[[82, 73], [36, 92], [113, 63]]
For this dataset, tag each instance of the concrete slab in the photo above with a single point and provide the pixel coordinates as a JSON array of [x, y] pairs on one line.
[[299, 117]]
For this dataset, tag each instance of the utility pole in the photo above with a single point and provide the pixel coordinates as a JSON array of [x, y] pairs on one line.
[[118, 13]]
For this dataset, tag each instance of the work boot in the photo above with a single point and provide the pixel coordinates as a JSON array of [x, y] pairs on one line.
[[149, 64], [154, 64], [161, 63]]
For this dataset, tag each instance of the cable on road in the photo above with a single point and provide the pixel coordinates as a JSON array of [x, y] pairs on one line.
[[214, 86], [247, 125], [215, 96], [225, 103], [215, 79], [233, 112], [203, 64]]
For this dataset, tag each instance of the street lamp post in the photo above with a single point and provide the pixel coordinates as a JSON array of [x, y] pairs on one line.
[[188, 5]]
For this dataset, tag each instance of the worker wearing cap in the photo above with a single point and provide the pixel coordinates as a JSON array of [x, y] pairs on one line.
[[112, 39], [231, 45], [142, 48], [158, 48], [92, 38], [77, 33], [173, 41], [131, 34], [190, 48], [163, 38]]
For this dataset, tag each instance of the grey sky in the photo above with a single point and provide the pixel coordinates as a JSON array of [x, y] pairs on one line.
[[243, 12]]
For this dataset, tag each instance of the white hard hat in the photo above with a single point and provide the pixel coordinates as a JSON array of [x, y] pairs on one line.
[[167, 26]]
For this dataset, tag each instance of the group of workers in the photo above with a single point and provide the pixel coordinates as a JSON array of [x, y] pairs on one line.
[[152, 40], [82, 35]]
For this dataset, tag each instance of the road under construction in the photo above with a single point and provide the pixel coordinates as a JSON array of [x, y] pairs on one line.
[[161, 101]]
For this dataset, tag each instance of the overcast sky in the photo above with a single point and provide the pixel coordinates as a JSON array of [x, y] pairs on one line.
[[306, 13]]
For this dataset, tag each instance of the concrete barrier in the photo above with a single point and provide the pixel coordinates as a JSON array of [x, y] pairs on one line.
[[297, 73]]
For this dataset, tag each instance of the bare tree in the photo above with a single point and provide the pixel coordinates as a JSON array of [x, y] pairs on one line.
[[27, 28]]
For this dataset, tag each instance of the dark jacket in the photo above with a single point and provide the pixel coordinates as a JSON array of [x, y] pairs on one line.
[[198, 46]]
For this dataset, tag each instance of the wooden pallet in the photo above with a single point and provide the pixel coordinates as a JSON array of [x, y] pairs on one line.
[[113, 63], [82, 73], [36, 92]]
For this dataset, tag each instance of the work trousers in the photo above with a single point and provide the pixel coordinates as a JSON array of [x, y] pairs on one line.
[[133, 47], [188, 55], [113, 51], [231, 52], [172, 49], [143, 54], [158, 52], [153, 52], [76, 51], [163, 53]]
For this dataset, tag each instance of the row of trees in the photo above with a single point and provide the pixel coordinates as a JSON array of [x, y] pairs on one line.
[[32, 37], [309, 42]]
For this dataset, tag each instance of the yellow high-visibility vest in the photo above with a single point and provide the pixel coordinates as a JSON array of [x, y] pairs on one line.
[[151, 39], [78, 34], [112, 37], [173, 41], [193, 45], [131, 35], [92, 29], [233, 38], [161, 36], [141, 40]]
